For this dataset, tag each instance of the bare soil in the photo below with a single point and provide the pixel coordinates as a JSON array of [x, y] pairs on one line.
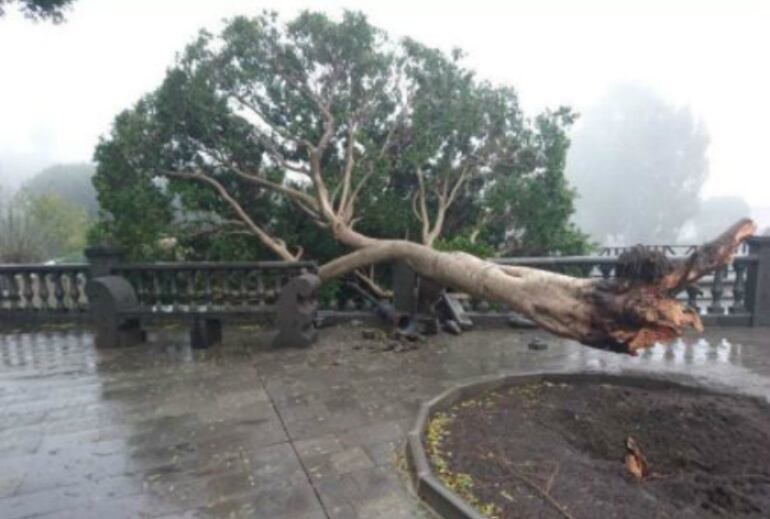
[[551, 450]]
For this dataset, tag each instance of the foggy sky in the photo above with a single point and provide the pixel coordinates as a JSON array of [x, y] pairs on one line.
[[61, 85]]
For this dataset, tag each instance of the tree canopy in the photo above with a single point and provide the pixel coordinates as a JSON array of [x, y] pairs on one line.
[[39, 9], [639, 164], [226, 155]]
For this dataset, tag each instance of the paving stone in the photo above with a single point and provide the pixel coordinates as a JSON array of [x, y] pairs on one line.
[[373, 433], [320, 446], [350, 460], [160, 430], [9, 485]]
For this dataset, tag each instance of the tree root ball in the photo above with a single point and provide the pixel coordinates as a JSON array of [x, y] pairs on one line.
[[640, 264]]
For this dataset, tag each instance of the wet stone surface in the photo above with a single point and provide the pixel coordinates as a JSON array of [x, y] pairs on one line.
[[240, 430]]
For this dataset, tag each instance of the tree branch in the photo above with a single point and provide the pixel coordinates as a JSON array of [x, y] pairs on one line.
[[423, 207], [274, 244], [347, 172], [292, 194]]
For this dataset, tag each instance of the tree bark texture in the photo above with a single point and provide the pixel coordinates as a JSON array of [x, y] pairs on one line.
[[630, 312]]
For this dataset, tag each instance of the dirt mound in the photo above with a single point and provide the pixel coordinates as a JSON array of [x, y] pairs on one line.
[[557, 450]]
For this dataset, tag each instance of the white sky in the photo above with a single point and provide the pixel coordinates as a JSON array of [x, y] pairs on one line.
[[61, 85]]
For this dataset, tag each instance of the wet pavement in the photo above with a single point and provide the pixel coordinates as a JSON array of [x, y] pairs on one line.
[[242, 431]]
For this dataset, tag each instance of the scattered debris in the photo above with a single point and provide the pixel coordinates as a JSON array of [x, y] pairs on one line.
[[537, 345], [372, 334], [449, 310], [517, 321], [453, 327]]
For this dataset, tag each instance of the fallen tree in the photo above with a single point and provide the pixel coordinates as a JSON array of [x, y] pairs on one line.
[[632, 311], [330, 117]]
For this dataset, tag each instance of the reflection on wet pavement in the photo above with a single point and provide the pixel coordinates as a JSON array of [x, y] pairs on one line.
[[243, 431]]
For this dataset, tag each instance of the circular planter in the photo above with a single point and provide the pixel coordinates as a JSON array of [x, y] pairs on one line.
[[444, 501]]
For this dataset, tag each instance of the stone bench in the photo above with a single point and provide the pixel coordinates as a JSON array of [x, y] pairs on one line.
[[118, 316]]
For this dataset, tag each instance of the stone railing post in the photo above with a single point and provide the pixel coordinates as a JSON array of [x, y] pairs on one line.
[[758, 281], [103, 258], [404, 288]]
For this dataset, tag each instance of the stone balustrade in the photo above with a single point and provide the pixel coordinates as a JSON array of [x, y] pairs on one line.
[[170, 286], [38, 289], [738, 294]]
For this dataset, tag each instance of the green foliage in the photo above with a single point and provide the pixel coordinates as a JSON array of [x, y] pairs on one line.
[[41, 227], [39, 9], [529, 210], [241, 105], [464, 244], [329, 293]]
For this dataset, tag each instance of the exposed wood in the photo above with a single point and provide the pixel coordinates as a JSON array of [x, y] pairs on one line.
[[273, 243], [623, 315]]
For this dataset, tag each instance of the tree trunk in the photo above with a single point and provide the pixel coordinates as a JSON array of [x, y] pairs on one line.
[[630, 312]]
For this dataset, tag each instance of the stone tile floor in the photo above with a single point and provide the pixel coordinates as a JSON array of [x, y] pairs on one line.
[[243, 431]]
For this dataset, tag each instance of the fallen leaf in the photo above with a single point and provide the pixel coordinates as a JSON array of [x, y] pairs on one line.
[[636, 463]]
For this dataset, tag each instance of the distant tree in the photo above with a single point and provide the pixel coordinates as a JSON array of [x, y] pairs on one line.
[[715, 211], [39, 9], [35, 228], [638, 164], [71, 182]]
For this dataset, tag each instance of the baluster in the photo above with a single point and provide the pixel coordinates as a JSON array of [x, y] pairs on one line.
[[173, 288], [42, 290], [5, 285], [219, 288], [739, 289], [74, 291], [155, 293], [693, 291], [717, 290], [606, 270], [13, 291], [191, 296], [28, 292], [58, 291], [233, 294], [260, 296], [275, 286], [243, 289], [140, 288], [207, 287]]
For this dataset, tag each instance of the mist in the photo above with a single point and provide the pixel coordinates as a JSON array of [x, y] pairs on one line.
[[68, 81]]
